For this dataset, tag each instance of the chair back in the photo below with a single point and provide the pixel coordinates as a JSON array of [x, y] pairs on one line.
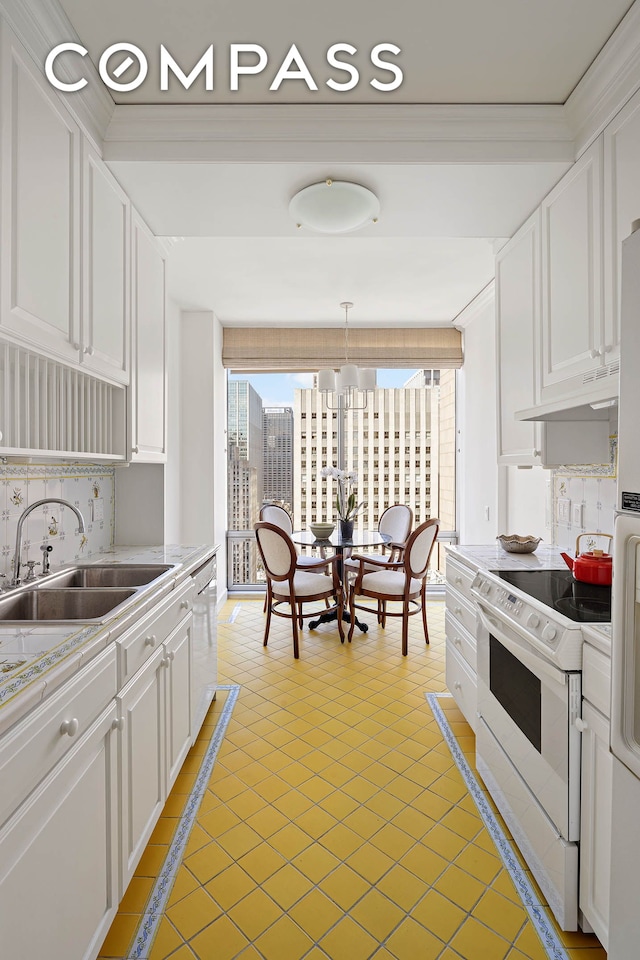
[[396, 522], [277, 551], [419, 546], [274, 513]]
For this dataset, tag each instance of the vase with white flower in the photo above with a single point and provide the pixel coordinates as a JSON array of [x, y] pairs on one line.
[[346, 506]]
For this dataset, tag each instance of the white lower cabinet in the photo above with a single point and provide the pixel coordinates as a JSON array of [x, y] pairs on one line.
[[460, 630], [595, 821], [154, 711], [59, 855]]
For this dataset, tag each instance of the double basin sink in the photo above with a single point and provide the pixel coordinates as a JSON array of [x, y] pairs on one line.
[[86, 593]]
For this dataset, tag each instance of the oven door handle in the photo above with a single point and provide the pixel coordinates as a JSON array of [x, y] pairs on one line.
[[526, 655]]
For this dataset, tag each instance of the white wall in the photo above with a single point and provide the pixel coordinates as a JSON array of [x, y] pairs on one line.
[[202, 448], [476, 415], [173, 493], [525, 502]]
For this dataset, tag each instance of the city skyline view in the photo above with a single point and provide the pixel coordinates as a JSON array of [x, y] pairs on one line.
[[277, 389]]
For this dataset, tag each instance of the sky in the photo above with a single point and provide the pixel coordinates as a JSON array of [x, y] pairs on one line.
[[276, 389]]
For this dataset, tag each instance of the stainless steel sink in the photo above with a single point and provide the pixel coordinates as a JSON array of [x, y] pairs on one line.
[[111, 575], [65, 604]]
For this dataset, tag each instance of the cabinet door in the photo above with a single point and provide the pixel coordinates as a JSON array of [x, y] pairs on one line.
[[595, 821], [621, 207], [141, 707], [106, 295], [571, 279], [59, 854], [178, 709], [148, 394], [40, 209], [517, 328]]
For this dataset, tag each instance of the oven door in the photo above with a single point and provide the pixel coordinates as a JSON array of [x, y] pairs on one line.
[[530, 706]]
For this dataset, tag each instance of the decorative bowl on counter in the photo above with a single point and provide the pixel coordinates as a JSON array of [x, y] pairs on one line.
[[513, 543], [321, 531]]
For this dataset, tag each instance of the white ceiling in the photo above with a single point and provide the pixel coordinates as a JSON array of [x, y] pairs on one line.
[[432, 251]]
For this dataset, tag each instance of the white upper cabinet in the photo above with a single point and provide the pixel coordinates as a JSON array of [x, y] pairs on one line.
[[106, 257], [148, 390], [572, 344], [621, 206], [40, 198], [517, 326]]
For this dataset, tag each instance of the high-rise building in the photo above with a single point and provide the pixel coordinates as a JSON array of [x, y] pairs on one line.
[[393, 445], [244, 474], [277, 433]]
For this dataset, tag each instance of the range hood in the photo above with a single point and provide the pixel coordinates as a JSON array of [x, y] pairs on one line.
[[599, 406]]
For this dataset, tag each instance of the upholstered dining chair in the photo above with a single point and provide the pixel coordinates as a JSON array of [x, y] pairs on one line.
[[403, 581], [395, 522], [289, 586], [274, 513]]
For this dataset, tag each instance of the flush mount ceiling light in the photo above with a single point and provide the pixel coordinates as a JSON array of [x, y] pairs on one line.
[[334, 206]]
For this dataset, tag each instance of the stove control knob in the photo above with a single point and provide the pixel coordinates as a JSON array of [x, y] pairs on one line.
[[549, 633], [533, 621]]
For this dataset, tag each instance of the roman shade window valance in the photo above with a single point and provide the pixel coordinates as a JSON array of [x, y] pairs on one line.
[[262, 349]]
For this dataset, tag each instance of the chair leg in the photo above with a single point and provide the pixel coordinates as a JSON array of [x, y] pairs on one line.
[[352, 613], [423, 600], [264, 605], [268, 621], [405, 628], [340, 602], [383, 619], [300, 619], [379, 611], [294, 627]]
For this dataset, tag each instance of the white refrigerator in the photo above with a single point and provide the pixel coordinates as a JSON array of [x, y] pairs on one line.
[[624, 917]]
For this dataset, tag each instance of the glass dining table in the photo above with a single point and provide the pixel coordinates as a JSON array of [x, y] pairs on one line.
[[359, 539]]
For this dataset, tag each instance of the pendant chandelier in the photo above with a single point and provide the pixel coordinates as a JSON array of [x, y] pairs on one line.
[[350, 384]]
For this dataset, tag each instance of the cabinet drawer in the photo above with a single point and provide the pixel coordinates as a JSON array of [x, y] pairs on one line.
[[30, 751], [461, 681], [462, 641], [463, 610], [137, 644], [459, 576], [596, 679]]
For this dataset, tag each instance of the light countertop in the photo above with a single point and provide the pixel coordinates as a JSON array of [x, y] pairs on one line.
[[493, 557], [35, 658]]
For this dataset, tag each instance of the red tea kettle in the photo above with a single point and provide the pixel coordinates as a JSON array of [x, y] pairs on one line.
[[594, 566]]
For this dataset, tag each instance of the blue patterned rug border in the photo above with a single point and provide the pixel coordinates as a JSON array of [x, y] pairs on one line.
[[537, 911], [154, 911]]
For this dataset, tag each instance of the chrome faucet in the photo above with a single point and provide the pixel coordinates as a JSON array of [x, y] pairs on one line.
[[25, 513]]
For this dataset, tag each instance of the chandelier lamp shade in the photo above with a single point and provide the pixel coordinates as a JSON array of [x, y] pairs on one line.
[[334, 206], [350, 383]]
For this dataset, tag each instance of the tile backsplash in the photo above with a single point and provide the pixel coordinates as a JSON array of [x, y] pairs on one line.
[[583, 501], [89, 487]]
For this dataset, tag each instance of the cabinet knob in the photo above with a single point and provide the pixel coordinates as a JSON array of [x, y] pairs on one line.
[[134, 449], [536, 453], [457, 685], [457, 641], [184, 604], [76, 346], [89, 351], [70, 727], [118, 724], [150, 641], [581, 725], [594, 353], [457, 611], [457, 580], [608, 347]]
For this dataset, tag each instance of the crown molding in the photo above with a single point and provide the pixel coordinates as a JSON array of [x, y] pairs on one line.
[[612, 78], [366, 133], [40, 25], [475, 307]]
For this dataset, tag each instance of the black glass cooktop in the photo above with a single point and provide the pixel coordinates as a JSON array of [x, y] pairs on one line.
[[558, 589]]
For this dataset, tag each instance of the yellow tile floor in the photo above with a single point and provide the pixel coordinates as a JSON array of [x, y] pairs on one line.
[[336, 824]]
